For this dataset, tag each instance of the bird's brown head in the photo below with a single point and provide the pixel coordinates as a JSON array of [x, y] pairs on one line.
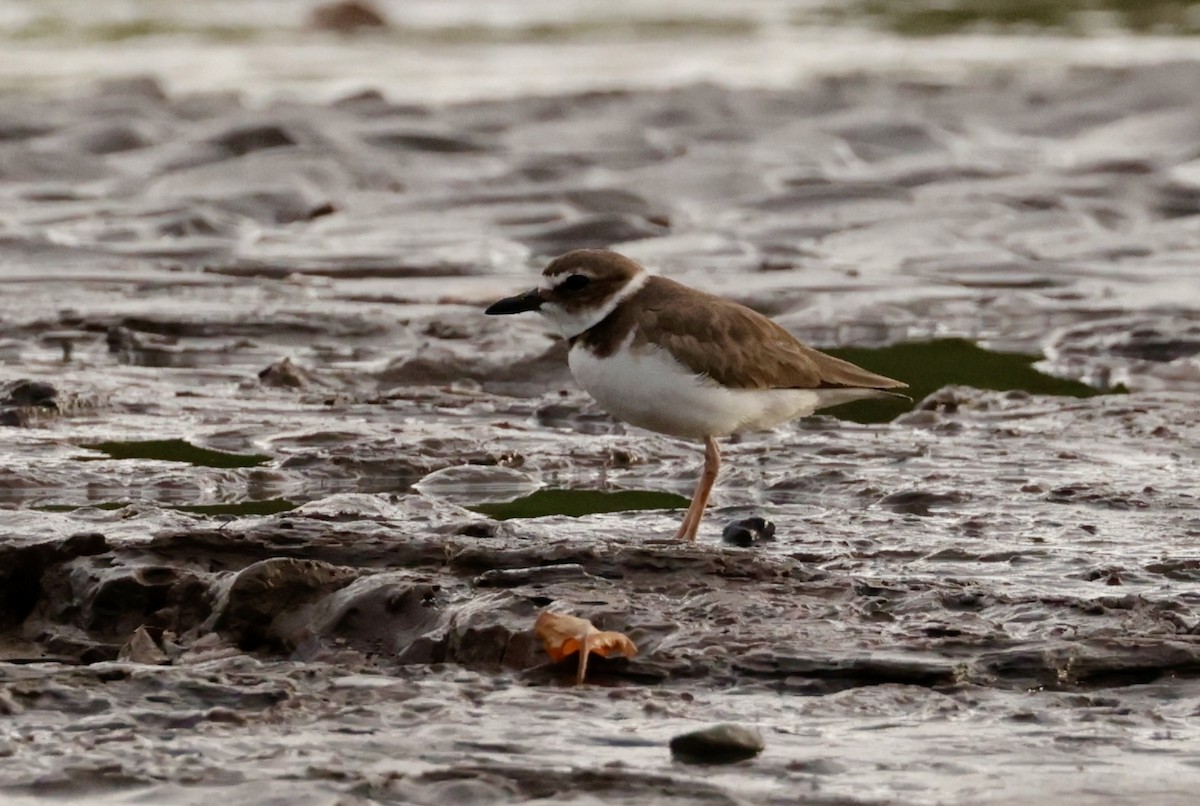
[[578, 289]]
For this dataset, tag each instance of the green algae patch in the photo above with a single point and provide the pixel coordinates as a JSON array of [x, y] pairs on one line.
[[928, 366], [927, 18], [176, 450], [240, 509], [577, 503]]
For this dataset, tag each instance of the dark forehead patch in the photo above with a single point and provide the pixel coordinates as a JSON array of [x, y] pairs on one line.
[[599, 263]]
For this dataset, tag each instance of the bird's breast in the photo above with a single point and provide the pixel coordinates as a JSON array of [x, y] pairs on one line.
[[647, 387]]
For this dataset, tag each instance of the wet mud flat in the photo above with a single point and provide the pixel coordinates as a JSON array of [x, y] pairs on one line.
[[254, 420]]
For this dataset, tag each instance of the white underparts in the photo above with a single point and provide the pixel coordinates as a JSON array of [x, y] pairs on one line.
[[572, 323], [647, 387]]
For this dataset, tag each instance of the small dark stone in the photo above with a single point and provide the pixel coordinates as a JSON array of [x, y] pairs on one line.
[[748, 531], [720, 744]]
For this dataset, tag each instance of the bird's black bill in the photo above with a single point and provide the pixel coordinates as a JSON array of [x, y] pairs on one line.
[[529, 301]]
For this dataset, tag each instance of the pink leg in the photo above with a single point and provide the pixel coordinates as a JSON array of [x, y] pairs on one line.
[[585, 649], [695, 513]]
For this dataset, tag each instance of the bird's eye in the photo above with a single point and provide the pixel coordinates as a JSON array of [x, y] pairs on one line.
[[575, 282]]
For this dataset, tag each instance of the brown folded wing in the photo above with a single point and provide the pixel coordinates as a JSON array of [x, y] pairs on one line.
[[735, 346]]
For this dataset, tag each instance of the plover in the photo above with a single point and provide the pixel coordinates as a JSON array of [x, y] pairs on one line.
[[669, 358]]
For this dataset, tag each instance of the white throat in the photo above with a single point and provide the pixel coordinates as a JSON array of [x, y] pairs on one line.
[[572, 323]]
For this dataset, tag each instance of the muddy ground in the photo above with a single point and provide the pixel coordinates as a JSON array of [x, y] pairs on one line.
[[248, 399]]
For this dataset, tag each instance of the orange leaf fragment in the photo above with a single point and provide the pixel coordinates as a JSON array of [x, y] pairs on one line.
[[563, 636]]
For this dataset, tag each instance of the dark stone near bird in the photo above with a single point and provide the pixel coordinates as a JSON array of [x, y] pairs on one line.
[[748, 532], [720, 744]]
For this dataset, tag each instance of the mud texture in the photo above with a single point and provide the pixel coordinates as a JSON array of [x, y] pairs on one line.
[[248, 397]]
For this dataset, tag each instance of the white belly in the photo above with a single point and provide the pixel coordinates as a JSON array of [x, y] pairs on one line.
[[648, 388]]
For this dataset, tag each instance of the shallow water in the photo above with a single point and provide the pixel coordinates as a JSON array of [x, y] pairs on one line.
[[282, 514]]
